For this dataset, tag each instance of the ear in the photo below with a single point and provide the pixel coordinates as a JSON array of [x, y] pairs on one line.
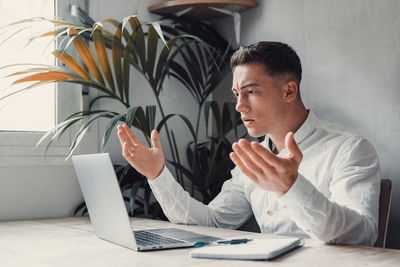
[[290, 91]]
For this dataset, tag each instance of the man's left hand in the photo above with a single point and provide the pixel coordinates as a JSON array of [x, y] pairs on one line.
[[267, 170]]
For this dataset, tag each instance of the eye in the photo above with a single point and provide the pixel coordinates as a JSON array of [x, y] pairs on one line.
[[235, 94], [251, 92]]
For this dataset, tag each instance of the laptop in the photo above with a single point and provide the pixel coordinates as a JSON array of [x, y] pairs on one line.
[[108, 214]]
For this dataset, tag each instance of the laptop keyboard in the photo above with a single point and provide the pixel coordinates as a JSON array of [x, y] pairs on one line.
[[145, 238]]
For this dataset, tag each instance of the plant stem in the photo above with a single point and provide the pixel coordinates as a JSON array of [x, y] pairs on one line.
[[177, 158], [213, 157], [147, 139], [195, 143], [178, 173]]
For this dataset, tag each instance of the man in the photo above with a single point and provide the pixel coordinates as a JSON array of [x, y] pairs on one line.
[[320, 182]]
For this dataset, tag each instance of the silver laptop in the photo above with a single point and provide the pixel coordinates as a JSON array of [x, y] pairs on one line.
[[108, 214]]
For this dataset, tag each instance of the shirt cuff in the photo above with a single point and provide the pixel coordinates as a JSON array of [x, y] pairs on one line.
[[162, 181], [300, 194]]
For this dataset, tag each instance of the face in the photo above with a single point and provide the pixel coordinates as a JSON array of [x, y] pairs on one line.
[[260, 99]]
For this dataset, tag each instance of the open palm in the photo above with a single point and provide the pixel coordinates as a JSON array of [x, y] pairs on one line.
[[148, 161]]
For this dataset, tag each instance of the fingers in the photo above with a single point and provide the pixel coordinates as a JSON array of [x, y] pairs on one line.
[[245, 161], [294, 150], [252, 154], [130, 134], [236, 159], [265, 169], [127, 152], [264, 153], [126, 143], [155, 139], [126, 136], [122, 136]]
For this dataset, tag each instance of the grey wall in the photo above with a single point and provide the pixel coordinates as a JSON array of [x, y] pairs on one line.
[[351, 65]]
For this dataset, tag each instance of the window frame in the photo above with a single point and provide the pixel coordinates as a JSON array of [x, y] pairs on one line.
[[17, 148]]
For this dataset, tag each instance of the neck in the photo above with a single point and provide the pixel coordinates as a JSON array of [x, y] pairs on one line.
[[293, 123]]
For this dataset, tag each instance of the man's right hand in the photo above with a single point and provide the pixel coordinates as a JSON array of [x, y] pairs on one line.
[[148, 161]]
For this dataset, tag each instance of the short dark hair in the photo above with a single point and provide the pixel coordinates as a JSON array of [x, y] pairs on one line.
[[278, 58]]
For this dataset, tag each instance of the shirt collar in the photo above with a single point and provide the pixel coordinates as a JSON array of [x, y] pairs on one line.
[[305, 130]]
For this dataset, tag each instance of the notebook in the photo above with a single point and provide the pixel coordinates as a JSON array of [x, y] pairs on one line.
[[108, 214], [259, 249]]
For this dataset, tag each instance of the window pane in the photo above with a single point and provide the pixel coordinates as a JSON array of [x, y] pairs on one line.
[[33, 110]]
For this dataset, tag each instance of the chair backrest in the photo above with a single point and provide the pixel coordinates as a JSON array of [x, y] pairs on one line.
[[385, 199]]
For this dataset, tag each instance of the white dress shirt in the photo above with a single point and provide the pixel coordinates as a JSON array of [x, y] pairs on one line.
[[334, 198]]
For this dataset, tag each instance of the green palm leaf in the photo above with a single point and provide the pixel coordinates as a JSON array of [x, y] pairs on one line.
[[97, 98], [150, 117], [213, 105], [138, 36], [134, 190], [183, 117], [56, 130], [131, 114], [60, 128], [109, 128], [234, 116], [84, 128], [152, 40]]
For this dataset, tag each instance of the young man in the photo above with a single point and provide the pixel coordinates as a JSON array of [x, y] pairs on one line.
[[321, 182]]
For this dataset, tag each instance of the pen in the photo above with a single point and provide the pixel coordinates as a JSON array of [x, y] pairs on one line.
[[234, 241], [223, 242]]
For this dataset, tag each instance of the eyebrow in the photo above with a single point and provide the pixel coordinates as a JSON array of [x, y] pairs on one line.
[[251, 84]]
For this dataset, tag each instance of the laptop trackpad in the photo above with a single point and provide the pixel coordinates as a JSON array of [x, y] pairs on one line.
[[184, 235]]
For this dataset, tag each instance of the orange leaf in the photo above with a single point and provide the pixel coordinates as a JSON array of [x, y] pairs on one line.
[[86, 55], [57, 21], [73, 64], [116, 56], [46, 77], [51, 33], [16, 73], [103, 58], [25, 72]]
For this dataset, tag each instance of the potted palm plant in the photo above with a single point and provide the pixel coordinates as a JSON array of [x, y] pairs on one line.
[[179, 50]]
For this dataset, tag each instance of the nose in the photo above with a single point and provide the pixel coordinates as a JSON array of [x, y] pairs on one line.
[[241, 105]]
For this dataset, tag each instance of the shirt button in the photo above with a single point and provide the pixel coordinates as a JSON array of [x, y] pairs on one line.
[[269, 212], [284, 206], [308, 231]]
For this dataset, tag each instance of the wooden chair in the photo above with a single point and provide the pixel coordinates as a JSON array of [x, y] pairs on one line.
[[385, 199]]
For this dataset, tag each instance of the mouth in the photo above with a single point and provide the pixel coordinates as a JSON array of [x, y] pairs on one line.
[[247, 121]]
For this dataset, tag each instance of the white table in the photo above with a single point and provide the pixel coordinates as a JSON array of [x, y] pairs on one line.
[[72, 242]]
